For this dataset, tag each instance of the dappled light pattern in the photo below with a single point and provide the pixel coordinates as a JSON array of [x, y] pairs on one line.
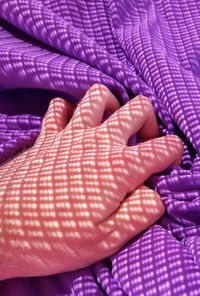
[[62, 201], [183, 206], [63, 57], [192, 243], [156, 264], [134, 47], [17, 132], [105, 279]]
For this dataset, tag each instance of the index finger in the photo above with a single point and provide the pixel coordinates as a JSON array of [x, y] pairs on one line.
[[137, 116]]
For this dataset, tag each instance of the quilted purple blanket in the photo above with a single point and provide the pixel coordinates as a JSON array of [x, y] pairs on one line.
[[56, 47]]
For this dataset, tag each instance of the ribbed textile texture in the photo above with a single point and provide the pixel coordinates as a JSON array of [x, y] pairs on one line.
[[133, 47]]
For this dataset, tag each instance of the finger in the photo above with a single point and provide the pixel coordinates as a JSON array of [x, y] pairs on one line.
[[137, 212], [90, 110], [135, 116], [151, 157], [58, 114]]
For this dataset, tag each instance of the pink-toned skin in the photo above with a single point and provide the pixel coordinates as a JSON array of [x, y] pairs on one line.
[[63, 202]]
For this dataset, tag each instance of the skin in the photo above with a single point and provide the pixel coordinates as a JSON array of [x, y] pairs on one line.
[[77, 196]]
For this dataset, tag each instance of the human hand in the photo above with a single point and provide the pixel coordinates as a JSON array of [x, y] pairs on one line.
[[63, 202]]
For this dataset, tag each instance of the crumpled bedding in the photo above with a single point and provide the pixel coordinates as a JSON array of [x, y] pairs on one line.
[[50, 48]]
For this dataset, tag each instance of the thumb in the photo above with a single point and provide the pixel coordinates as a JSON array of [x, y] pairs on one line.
[[137, 212]]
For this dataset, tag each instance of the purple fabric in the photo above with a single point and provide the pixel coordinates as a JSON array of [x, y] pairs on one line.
[[53, 47], [16, 133]]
